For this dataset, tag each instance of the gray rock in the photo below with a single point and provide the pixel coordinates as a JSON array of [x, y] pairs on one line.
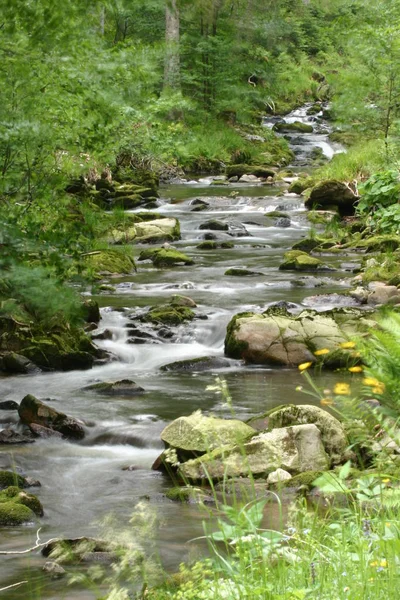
[[9, 405], [295, 449], [125, 387], [10, 436], [278, 476], [333, 435], [31, 410], [54, 569]]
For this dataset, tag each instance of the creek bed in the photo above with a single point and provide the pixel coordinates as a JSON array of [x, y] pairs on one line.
[[83, 483]]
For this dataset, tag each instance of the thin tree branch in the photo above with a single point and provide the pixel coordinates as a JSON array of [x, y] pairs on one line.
[[13, 586]]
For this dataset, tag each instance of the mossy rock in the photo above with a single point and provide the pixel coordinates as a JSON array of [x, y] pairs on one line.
[[238, 272], [332, 194], [126, 202], [241, 169], [379, 243], [298, 187], [111, 261], [18, 507], [186, 494], [165, 257], [170, 257], [309, 244], [302, 262], [302, 480], [168, 314], [9, 478], [297, 126]]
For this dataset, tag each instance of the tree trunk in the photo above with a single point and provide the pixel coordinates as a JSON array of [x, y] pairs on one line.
[[172, 60]]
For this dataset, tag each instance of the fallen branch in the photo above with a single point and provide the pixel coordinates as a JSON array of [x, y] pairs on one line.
[[38, 545], [13, 586]]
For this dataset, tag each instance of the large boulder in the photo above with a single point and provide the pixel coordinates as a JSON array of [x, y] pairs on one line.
[[333, 194], [197, 434], [333, 435], [124, 387], [31, 410], [273, 338], [159, 230], [294, 449], [111, 261]]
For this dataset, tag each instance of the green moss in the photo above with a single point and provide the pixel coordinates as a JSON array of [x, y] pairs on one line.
[[17, 507], [378, 243], [301, 262], [296, 126], [111, 261], [305, 479], [8, 478], [12, 513], [307, 244], [258, 170], [298, 187], [185, 494], [170, 257], [233, 347], [169, 315]]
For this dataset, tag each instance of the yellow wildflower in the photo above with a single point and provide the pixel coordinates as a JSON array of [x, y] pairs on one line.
[[356, 369], [321, 352], [326, 402], [304, 366], [342, 389], [347, 345], [379, 563], [386, 480], [299, 388], [374, 563], [379, 389], [371, 381], [383, 564]]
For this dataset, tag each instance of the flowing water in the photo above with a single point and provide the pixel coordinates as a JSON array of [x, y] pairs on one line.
[[82, 483]]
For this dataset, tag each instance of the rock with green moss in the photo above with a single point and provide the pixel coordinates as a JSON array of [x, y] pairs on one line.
[[294, 449], [178, 300], [32, 410], [214, 225], [301, 184], [239, 272], [333, 194], [168, 314], [295, 260], [309, 244], [242, 169], [204, 363], [78, 550], [378, 243], [9, 478], [18, 507], [281, 339], [197, 434], [169, 257], [111, 261], [165, 257], [333, 435], [303, 480], [296, 126], [189, 494], [149, 231]]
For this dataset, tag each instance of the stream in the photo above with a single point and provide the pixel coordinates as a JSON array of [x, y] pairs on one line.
[[83, 483]]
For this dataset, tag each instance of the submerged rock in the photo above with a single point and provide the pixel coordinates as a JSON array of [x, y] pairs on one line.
[[32, 410], [239, 272], [9, 405], [124, 387], [10, 436], [54, 569], [15, 363], [79, 549], [294, 449], [206, 363]]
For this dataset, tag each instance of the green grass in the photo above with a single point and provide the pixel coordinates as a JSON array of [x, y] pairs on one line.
[[359, 162]]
